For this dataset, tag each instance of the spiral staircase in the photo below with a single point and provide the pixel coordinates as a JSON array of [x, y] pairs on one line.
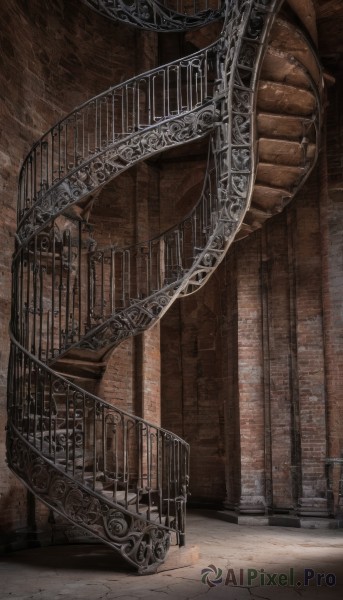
[[256, 95]]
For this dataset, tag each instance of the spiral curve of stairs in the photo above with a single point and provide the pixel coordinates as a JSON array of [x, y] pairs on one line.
[[256, 93]]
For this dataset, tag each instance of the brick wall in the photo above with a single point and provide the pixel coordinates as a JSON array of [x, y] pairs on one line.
[[276, 374], [331, 212], [250, 369], [54, 57]]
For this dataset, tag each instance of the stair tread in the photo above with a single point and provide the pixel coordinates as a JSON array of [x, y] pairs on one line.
[[284, 98], [120, 496], [278, 66], [274, 125], [284, 152], [288, 38]]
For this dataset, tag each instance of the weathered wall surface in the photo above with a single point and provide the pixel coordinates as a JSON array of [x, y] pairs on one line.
[[272, 358], [54, 56]]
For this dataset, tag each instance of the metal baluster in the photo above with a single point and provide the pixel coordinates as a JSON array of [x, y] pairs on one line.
[[74, 434], [152, 108], [84, 430], [169, 475], [75, 138], [42, 380], [102, 291], [116, 457], [128, 276], [112, 282], [67, 415], [60, 291], [100, 101], [55, 436], [68, 267], [21, 324], [28, 292], [35, 403], [149, 269], [125, 456], [34, 309], [96, 143], [41, 269], [206, 69], [140, 454], [94, 445], [52, 163], [87, 128], [189, 72], [158, 473], [123, 128], [113, 113], [60, 128], [79, 279], [66, 136], [148, 465], [155, 266], [168, 91]]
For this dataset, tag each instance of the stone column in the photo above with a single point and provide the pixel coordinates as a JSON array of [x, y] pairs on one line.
[[250, 377], [310, 350], [331, 220]]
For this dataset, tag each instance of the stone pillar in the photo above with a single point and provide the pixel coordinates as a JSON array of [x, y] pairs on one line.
[[231, 402], [310, 350], [277, 364], [331, 220], [250, 377]]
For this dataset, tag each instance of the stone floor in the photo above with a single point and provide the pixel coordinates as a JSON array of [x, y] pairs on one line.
[[230, 554]]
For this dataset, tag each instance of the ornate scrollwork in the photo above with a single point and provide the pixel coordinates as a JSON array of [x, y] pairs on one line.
[[117, 524], [155, 15], [108, 163], [143, 544], [59, 458]]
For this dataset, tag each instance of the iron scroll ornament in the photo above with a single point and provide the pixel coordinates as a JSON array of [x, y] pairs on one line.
[[238, 64], [109, 163], [154, 15], [143, 544], [230, 115]]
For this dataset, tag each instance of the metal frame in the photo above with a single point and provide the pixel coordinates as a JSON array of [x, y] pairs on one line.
[[162, 15], [111, 473]]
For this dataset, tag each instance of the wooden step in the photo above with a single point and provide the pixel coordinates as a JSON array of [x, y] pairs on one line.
[[279, 67], [77, 367], [284, 99], [287, 38], [281, 176], [306, 12], [286, 127], [120, 496], [271, 199], [285, 152]]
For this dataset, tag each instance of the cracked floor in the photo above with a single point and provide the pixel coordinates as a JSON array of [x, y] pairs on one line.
[[239, 558]]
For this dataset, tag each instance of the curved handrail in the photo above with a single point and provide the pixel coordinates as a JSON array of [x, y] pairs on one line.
[[160, 15], [62, 423], [62, 380], [108, 127]]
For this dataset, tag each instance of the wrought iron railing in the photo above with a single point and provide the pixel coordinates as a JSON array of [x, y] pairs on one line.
[[114, 474], [161, 15], [164, 107], [66, 286], [132, 463]]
